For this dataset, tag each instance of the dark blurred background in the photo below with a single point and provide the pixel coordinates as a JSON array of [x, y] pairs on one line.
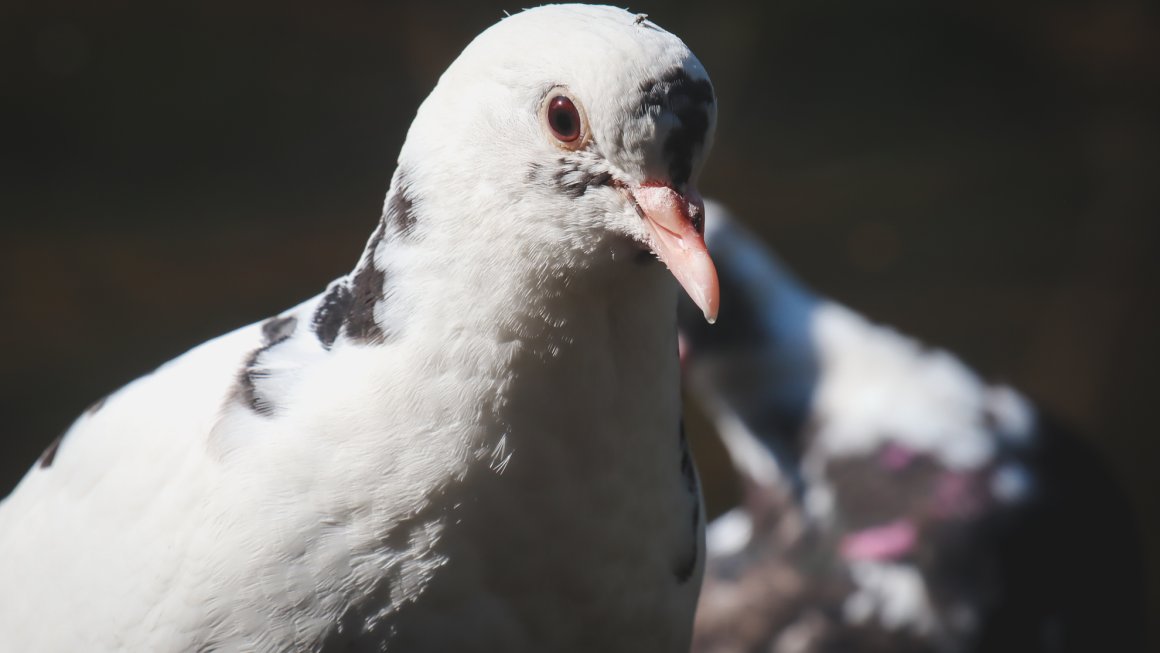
[[983, 175]]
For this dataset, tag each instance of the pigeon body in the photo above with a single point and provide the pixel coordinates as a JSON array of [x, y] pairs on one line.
[[892, 500], [470, 442]]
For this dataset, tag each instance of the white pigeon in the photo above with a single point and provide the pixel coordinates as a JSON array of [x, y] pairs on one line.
[[892, 500], [469, 443]]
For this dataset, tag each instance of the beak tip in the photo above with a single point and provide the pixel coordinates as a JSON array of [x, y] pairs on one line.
[[707, 299]]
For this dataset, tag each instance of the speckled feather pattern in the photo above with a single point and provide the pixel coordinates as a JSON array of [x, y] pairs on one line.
[[893, 500]]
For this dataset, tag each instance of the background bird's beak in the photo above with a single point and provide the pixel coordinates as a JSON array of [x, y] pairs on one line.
[[676, 223]]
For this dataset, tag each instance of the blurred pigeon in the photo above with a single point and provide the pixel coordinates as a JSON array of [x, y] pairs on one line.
[[469, 443], [892, 501]]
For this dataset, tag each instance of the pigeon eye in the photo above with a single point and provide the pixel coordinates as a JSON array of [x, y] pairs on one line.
[[565, 120]]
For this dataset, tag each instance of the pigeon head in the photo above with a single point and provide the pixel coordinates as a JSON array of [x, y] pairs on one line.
[[569, 133]]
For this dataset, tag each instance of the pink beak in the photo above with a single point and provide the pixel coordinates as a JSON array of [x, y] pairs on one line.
[[676, 224]]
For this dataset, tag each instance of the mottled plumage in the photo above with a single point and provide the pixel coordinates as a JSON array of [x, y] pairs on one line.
[[892, 500]]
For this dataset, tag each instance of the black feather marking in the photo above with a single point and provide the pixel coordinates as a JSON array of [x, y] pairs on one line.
[[246, 390], [350, 305], [571, 186], [275, 331], [574, 180], [331, 311], [568, 176], [96, 406], [49, 454], [400, 212], [690, 100], [686, 564], [366, 289]]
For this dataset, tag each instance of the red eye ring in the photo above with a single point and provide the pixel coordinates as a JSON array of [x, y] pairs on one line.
[[565, 120]]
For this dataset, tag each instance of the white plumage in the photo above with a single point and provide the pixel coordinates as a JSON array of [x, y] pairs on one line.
[[471, 442]]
